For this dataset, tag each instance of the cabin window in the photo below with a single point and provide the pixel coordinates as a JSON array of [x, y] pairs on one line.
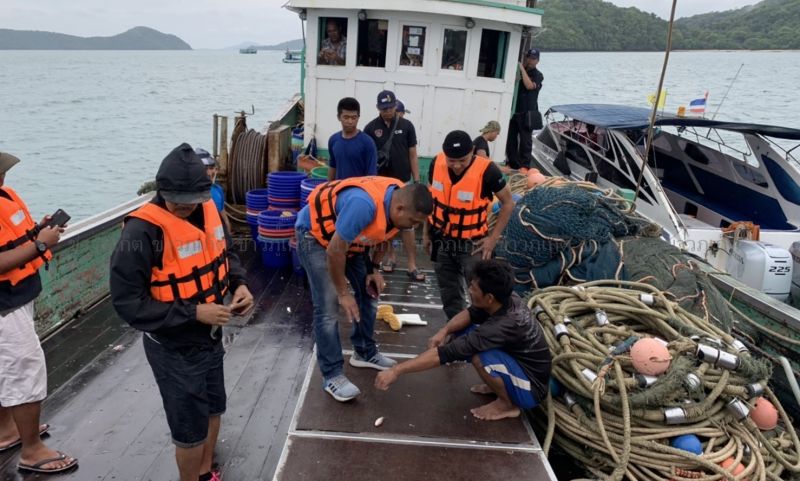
[[332, 46], [493, 53], [454, 49], [412, 50], [372, 43]]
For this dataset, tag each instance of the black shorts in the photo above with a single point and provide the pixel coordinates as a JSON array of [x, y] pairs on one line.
[[192, 386]]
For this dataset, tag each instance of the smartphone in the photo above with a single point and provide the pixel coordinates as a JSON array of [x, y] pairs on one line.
[[372, 290], [59, 219]]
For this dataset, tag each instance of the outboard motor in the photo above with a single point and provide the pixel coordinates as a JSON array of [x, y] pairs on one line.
[[762, 266]]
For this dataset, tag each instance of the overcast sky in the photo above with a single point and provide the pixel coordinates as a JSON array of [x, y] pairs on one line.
[[220, 23]]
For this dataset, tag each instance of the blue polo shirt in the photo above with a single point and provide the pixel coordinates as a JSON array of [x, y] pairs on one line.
[[350, 221]]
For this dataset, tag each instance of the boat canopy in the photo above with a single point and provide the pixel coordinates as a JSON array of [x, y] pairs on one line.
[[621, 117]]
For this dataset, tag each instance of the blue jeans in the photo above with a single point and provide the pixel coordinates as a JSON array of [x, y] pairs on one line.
[[314, 259]]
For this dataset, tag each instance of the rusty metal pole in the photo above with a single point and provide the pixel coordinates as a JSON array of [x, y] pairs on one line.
[[215, 141], [223, 148]]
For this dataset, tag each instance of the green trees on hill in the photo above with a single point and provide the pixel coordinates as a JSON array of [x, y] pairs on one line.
[[601, 26]]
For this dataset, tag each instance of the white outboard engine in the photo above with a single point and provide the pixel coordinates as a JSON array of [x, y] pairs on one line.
[[795, 251], [761, 266]]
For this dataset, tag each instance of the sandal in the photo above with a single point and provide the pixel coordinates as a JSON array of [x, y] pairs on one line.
[[37, 468], [43, 428], [388, 267], [416, 275]]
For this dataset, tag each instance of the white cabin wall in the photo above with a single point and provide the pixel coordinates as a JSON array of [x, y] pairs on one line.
[[439, 100]]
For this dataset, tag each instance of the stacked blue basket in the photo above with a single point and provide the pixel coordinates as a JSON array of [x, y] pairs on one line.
[[275, 230], [284, 190], [306, 186], [256, 201]]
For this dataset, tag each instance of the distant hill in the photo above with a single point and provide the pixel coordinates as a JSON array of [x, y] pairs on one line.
[[291, 45], [240, 45], [601, 26], [138, 38]]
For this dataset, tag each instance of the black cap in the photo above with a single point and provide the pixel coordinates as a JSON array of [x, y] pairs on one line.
[[182, 177], [457, 144]]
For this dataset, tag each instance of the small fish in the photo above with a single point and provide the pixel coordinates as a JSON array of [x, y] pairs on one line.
[[378, 422]]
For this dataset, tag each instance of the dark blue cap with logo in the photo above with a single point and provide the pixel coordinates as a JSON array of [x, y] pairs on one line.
[[534, 52], [386, 100]]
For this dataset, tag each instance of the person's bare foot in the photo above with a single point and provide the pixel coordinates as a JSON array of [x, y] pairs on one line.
[[41, 453], [495, 410], [481, 389]]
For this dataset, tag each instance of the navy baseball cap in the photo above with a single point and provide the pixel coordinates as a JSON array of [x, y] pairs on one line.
[[205, 156], [534, 52], [386, 100], [401, 107]]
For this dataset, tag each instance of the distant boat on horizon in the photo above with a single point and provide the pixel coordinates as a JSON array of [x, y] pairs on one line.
[[293, 56], [248, 50]]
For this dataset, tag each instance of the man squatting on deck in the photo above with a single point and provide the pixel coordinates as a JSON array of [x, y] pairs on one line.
[[498, 335], [170, 274]]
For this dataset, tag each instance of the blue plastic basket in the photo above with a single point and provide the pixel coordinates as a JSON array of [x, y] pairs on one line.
[[275, 253]]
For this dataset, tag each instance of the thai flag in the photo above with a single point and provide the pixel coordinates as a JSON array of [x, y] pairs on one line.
[[698, 106]]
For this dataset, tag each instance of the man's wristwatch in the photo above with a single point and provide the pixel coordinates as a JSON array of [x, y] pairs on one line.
[[41, 247]]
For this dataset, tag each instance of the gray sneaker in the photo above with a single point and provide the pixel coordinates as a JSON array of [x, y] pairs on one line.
[[378, 361], [341, 388]]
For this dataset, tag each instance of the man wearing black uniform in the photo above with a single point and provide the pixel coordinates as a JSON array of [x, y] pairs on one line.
[[170, 274], [498, 335], [526, 116], [396, 140], [457, 232]]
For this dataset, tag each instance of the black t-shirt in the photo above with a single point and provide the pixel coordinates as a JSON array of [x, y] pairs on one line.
[[493, 180], [481, 144], [12, 297], [514, 331], [528, 100], [405, 137]]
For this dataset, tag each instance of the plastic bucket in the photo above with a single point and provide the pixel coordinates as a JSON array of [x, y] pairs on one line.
[[320, 172], [275, 253]]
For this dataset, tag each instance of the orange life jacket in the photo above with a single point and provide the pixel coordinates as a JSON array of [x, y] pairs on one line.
[[459, 210], [322, 209], [17, 228], [194, 262]]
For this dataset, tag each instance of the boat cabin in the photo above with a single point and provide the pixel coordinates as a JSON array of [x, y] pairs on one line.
[[453, 63]]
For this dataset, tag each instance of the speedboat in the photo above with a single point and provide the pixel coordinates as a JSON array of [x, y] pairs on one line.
[[728, 192]]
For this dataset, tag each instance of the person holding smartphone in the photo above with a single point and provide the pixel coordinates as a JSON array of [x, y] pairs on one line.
[[24, 249], [171, 274]]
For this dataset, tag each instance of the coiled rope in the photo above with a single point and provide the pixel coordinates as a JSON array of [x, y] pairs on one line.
[[616, 427]]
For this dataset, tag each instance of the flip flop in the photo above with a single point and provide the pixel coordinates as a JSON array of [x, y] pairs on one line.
[[37, 468], [388, 267], [416, 275], [42, 431]]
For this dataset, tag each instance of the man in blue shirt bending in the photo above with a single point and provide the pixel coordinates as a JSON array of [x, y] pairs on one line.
[[352, 152], [342, 220]]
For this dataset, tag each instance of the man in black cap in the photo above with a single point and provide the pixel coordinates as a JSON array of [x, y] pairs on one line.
[[396, 140], [24, 248], [170, 274], [526, 117], [457, 233]]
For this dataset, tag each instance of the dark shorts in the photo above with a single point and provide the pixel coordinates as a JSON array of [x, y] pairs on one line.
[[192, 386]]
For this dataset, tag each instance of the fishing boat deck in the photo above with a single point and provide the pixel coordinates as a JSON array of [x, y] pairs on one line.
[[105, 409]]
